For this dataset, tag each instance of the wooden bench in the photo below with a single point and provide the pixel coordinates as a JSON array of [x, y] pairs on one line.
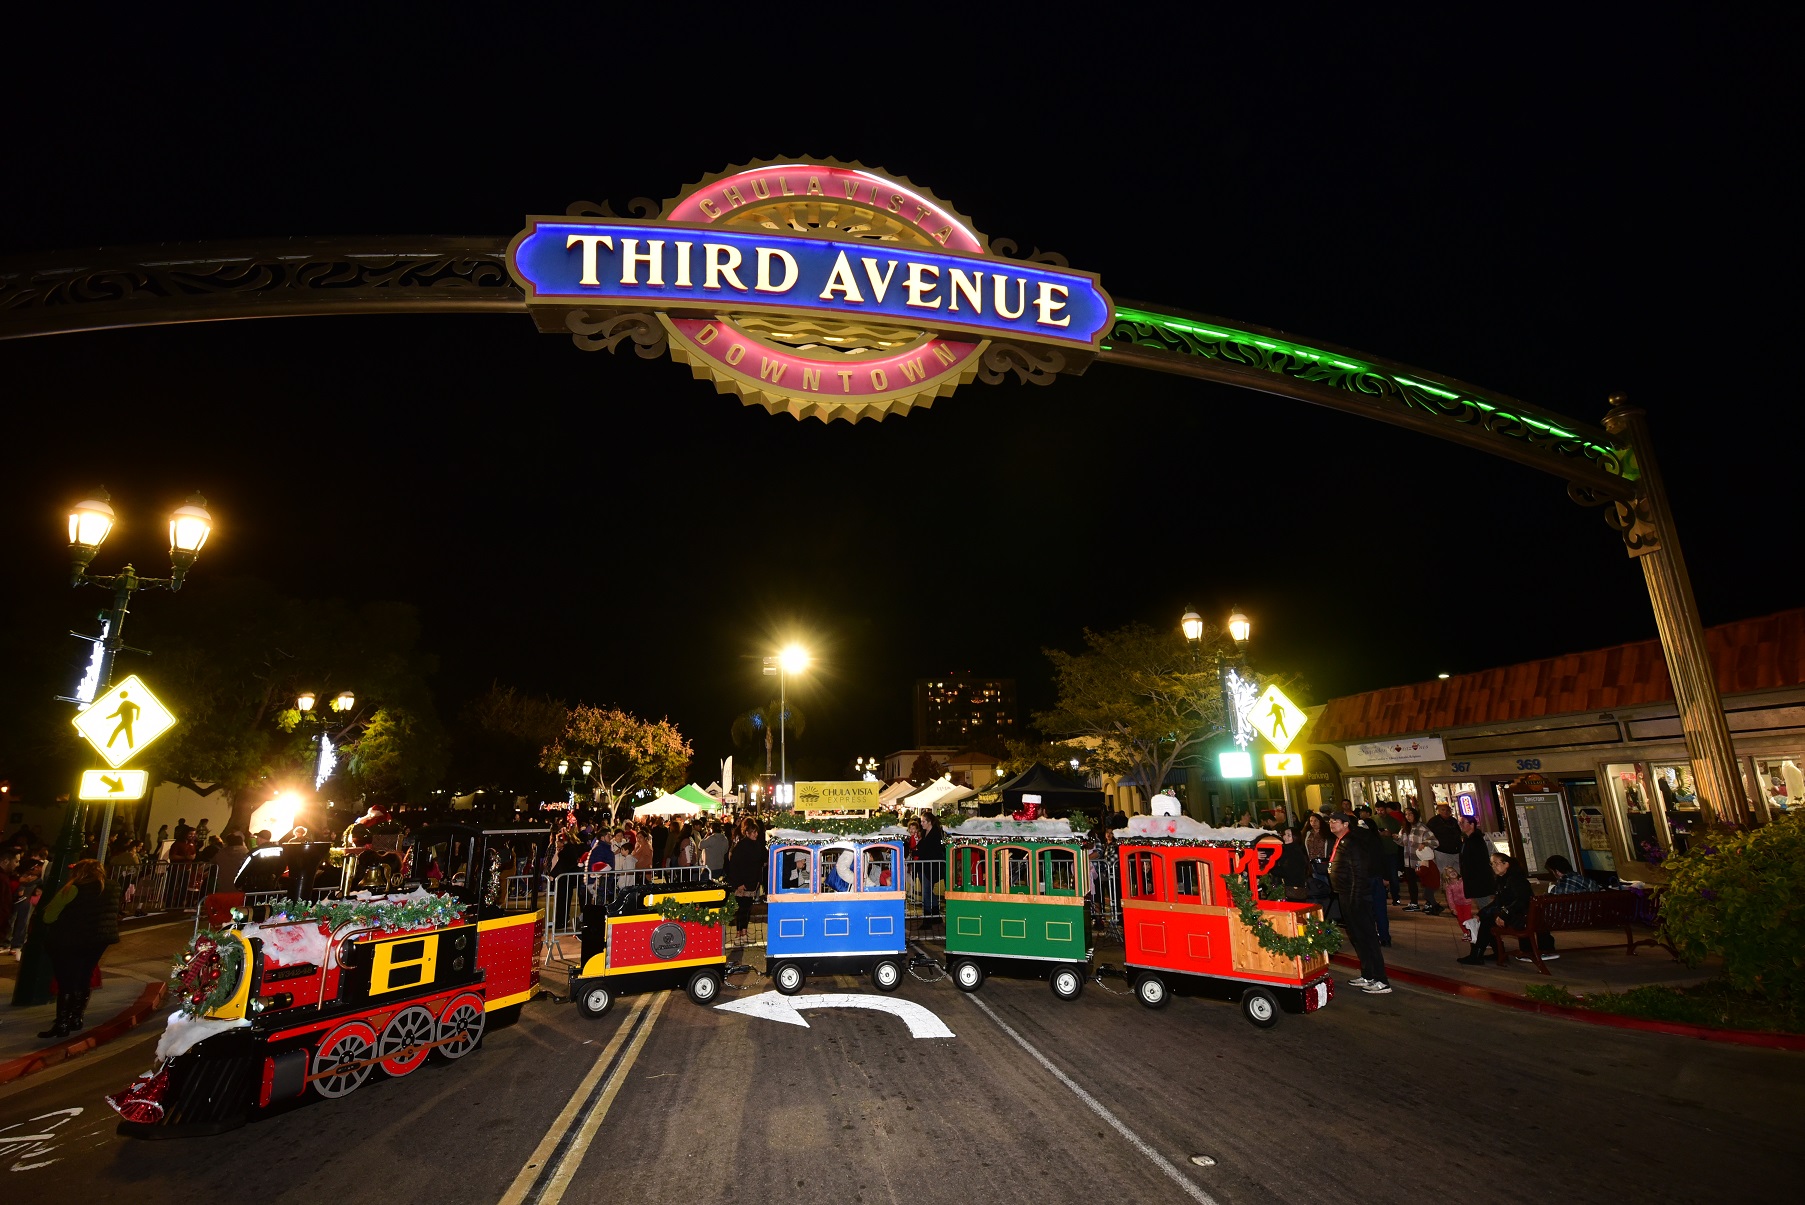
[[1580, 910]]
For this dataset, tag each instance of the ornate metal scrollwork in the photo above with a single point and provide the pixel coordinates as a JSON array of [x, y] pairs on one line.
[[1634, 521], [1498, 417], [639, 207], [607, 334], [1031, 365], [1008, 249]]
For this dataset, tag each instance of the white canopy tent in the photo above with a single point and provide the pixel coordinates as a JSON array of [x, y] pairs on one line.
[[889, 795], [666, 805], [938, 794]]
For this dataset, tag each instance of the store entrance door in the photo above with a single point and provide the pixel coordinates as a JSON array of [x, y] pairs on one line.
[[1597, 859]]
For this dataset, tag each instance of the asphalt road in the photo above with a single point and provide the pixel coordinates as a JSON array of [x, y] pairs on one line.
[[1408, 1097]]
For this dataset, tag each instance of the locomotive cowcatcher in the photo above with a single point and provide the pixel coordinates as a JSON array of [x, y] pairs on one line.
[[1179, 922], [315, 1004]]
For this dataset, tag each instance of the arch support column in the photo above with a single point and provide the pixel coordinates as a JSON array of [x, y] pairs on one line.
[[1646, 524]]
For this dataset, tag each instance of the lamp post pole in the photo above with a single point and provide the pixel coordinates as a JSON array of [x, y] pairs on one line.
[[1650, 536]]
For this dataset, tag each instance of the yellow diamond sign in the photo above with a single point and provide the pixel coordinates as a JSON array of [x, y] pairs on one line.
[[123, 721], [120, 786], [1276, 717]]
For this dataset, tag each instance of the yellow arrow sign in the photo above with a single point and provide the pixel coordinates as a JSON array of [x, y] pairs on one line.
[[119, 786], [1277, 718], [1284, 765], [122, 722]]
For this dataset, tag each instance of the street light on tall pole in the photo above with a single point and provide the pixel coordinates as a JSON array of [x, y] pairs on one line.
[[1230, 667], [791, 659]]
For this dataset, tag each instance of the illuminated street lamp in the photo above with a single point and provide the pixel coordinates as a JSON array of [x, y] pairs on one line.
[[1192, 623], [304, 701], [791, 659], [344, 702], [1239, 628], [1231, 669]]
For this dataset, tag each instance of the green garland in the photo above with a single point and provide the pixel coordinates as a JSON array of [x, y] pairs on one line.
[[695, 914], [838, 826], [437, 911], [1319, 936], [207, 977]]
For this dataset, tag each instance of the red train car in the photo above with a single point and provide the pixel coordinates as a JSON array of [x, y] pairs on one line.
[[1180, 924], [317, 997]]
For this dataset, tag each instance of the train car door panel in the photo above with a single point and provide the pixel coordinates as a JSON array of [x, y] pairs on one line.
[[1197, 945], [836, 926], [1014, 927], [880, 926], [1059, 930], [792, 926], [1152, 936], [970, 926]]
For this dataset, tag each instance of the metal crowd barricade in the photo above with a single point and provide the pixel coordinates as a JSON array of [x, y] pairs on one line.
[[152, 887], [566, 894]]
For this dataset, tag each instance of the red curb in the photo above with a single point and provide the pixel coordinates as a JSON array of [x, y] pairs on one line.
[[1678, 1029], [88, 1039]]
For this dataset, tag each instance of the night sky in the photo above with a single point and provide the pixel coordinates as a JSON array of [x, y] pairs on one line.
[[1551, 210]]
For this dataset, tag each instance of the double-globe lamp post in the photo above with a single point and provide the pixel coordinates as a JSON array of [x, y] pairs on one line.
[[1239, 630], [791, 659], [91, 521]]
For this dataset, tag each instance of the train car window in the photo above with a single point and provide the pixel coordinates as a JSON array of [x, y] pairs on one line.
[[1192, 881], [1145, 881], [839, 868], [879, 873], [1058, 872], [969, 867], [795, 870], [1014, 870]]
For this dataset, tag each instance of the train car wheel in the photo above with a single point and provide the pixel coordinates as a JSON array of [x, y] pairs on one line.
[[886, 976], [1260, 1007], [342, 1062], [789, 978], [968, 976], [460, 1027], [704, 986], [1151, 990], [1067, 983], [406, 1039], [594, 999]]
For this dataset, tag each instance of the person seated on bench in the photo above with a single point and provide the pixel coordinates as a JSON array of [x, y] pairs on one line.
[[1509, 905], [1567, 881]]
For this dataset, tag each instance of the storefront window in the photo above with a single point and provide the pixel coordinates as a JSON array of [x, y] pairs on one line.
[[1631, 793], [1781, 780], [1679, 800], [1356, 791]]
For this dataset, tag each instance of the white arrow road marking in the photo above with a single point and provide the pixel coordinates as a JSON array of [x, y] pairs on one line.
[[775, 1006], [31, 1146]]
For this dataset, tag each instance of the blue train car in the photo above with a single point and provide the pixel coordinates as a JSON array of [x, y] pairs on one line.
[[835, 907]]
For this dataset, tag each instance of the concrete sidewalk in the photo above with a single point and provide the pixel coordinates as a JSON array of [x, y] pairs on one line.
[[141, 958]]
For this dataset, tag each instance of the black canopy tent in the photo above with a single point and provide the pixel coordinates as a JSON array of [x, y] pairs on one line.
[[1057, 796]]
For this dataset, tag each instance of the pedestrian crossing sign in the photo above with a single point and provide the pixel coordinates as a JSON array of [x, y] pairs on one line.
[[123, 720], [1277, 718], [116, 786]]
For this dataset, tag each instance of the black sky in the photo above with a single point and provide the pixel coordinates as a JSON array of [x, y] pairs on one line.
[[1555, 210]]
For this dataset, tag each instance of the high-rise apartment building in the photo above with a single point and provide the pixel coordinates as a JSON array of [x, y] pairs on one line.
[[965, 711]]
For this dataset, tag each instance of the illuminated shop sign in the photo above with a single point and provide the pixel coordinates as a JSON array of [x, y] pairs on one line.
[[821, 289]]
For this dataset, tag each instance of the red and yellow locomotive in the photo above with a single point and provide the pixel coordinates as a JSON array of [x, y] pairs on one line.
[[316, 997]]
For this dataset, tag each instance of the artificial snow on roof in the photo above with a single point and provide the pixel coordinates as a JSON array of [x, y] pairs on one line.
[[1184, 828], [796, 836], [1002, 826]]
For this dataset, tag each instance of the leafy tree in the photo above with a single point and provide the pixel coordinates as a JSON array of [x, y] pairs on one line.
[[925, 768], [500, 736], [760, 726], [1145, 701], [1019, 755], [1741, 896], [630, 754]]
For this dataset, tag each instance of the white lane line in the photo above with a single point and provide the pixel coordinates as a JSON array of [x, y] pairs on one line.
[[535, 1166], [1096, 1106]]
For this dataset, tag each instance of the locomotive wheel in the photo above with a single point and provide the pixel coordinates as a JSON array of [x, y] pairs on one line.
[[704, 986], [1151, 990], [1067, 983], [460, 1027], [789, 978], [351, 1043], [968, 976], [594, 999], [886, 976], [406, 1039], [1260, 1007]]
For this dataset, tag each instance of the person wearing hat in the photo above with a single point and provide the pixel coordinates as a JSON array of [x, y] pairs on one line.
[[1352, 871]]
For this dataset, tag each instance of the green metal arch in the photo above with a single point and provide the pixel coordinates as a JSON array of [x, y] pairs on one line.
[[300, 277]]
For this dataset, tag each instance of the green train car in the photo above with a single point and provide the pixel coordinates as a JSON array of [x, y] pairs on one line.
[[1015, 904]]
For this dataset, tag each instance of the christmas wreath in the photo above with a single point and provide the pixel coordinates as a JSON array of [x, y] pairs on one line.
[[1319, 936], [410, 912], [208, 974], [670, 908]]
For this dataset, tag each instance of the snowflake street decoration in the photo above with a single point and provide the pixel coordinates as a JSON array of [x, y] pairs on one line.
[[1241, 695]]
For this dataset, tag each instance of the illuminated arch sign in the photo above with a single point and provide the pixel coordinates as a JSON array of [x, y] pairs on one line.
[[818, 288]]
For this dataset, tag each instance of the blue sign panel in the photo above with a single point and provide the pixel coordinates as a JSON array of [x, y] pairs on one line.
[[677, 266]]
